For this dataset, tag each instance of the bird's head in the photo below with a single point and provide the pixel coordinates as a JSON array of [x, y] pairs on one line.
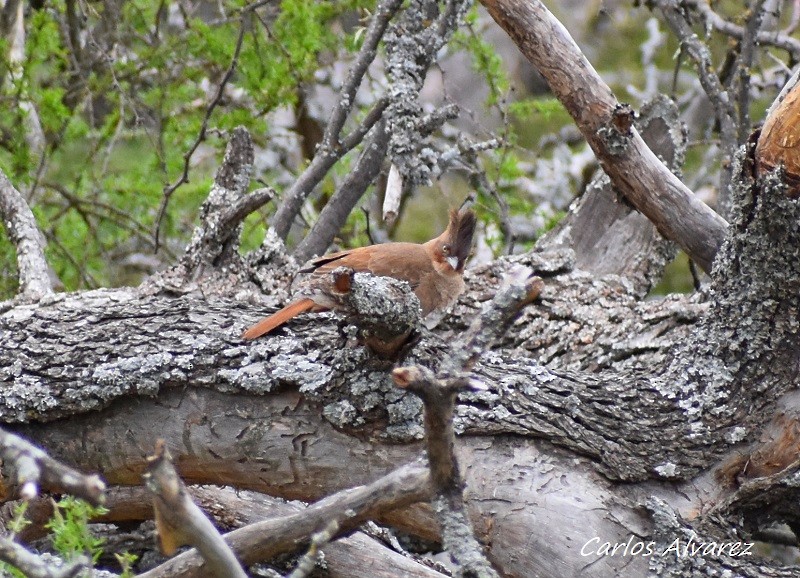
[[451, 248]]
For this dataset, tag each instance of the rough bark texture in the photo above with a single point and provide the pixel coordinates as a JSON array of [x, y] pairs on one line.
[[604, 416], [29, 241]]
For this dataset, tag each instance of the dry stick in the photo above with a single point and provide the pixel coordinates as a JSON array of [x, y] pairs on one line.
[[392, 196], [632, 166], [795, 18], [252, 201], [480, 182], [131, 503], [332, 147], [34, 467], [227, 204], [34, 567], [458, 538], [720, 98], [180, 522], [763, 38], [438, 395], [34, 281], [335, 213], [264, 540], [747, 56], [309, 560]]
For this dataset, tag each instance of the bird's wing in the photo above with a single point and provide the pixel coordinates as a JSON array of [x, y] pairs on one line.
[[406, 261]]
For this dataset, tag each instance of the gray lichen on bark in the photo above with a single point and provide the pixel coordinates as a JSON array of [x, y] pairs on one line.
[[743, 354], [412, 44]]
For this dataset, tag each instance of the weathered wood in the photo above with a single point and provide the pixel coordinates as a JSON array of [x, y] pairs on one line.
[[280, 445], [232, 508], [656, 394], [608, 235], [632, 166]]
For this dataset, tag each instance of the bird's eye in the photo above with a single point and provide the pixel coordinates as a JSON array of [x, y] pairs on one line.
[[446, 249]]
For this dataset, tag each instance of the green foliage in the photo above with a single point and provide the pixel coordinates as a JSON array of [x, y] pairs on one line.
[[120, 114], [70, 527], [8, 271], [17, 523], [487, 63], [546, 107], [552, 220], [7, 569], [70, 534], [126, 561]]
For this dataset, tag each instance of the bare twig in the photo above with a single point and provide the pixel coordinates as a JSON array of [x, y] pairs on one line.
[[201, 136], [355, 136], [263, 540], [795, 18], [342, 556], [21, 226], [34, 467], [333, 146], [713, 20], [746, 58], [34, 566], [468, 154], [721, 99], [252, 201], [339, 206], [438, 394], [306, 564], [34, 134], [180, 522], [458, 537]]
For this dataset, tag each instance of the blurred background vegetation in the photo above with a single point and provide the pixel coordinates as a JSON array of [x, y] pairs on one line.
[[104, 104]]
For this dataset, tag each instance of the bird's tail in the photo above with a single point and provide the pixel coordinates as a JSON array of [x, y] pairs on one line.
[[278, 318]]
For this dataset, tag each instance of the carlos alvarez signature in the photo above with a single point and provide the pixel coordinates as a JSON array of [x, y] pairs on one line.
[[681, 548]]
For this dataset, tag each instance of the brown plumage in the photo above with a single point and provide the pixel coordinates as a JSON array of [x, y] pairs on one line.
[[433, 269]]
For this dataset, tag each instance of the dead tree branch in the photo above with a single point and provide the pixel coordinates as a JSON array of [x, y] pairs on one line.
[[180, 522], [214, 243], [33, 467], [632, 166], [722, 100], [439, 397], [411, 47], [34, 566], [264, 540], [334, 146], [233, 508], [779, 39], [339, 206], [458, 537], [309, 560], [20, 224]]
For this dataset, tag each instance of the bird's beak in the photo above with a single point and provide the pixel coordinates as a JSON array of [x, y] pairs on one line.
[[453, 260]]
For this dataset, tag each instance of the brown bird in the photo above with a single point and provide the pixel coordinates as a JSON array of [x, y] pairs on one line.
[[433, 269]]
